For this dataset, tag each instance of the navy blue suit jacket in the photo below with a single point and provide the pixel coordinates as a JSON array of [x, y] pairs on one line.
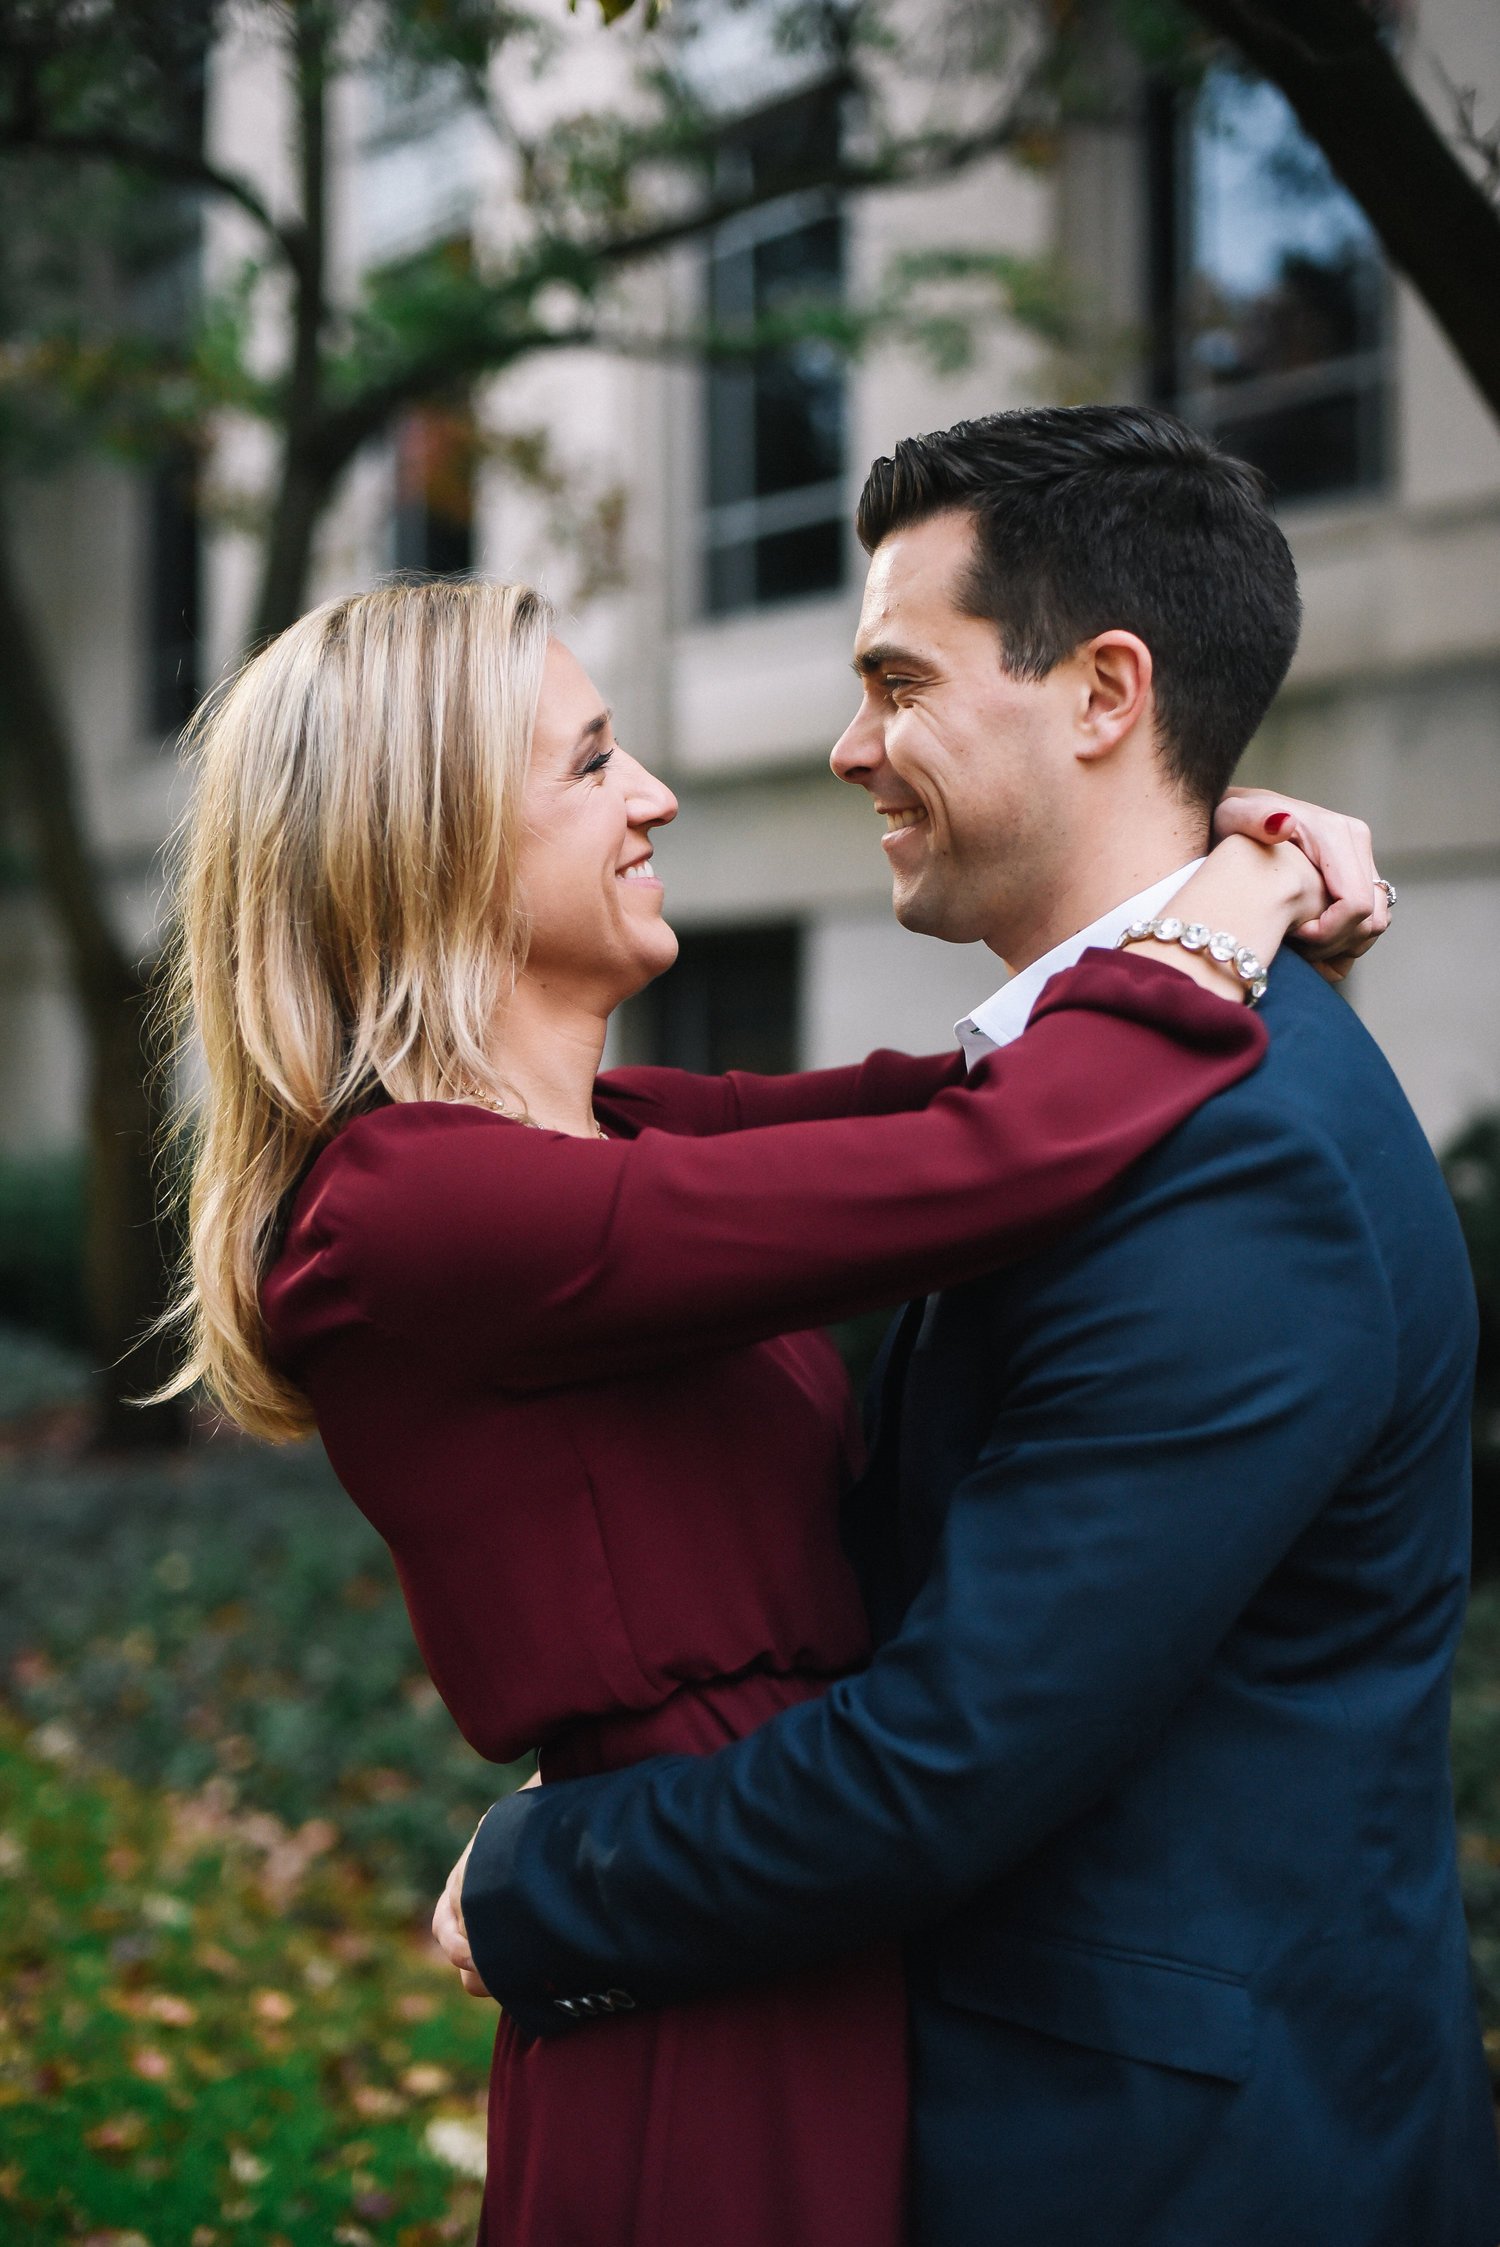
[[1152, 1768]]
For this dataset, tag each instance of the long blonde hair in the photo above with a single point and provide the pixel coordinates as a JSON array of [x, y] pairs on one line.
[[347, 919]]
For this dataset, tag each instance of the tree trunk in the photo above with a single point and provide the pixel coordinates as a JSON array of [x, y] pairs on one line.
[[125, 1275], [129, 1246], [300, 499], [306, 477], [1344, 82]]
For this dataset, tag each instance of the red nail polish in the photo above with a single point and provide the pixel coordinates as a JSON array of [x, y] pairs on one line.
[[1277, 821]]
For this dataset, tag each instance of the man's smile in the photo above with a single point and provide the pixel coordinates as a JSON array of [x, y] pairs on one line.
[[900, 820]]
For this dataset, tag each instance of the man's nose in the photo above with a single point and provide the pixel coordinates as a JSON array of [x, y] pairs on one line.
[[859, 748]]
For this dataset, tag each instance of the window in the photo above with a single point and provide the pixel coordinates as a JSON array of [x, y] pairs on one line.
[[1269, 291], [731, 1002], [173, 593], [774, 526], [434, 521]]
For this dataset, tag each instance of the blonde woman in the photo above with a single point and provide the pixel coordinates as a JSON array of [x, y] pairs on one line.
[[553, 1327]]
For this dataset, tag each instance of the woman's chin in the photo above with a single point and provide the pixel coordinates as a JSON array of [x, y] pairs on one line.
[[652, 960]]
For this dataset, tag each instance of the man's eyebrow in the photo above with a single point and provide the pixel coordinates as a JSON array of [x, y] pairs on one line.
[[885, 656], [592, 730]]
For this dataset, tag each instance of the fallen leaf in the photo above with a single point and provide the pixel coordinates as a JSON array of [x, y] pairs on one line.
[[373, 2102], [118, 2133], [425, 2081]]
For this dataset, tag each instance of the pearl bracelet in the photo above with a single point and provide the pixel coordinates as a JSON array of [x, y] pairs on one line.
[[1196, 936]]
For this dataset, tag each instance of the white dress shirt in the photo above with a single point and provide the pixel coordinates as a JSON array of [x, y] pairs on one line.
[[1006, 1015]]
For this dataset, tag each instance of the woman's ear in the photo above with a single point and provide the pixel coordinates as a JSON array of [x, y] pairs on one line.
[[1114, 692]]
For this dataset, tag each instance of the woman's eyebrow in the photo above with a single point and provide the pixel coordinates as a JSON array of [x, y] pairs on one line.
[[592, 731]]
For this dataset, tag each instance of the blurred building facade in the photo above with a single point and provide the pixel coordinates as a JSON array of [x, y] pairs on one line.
[[1223, 274]]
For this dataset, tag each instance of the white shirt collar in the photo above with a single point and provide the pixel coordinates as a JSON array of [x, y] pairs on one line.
[[1006, 1015]]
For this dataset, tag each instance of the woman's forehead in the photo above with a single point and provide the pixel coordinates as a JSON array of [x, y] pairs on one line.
[[571, 707]]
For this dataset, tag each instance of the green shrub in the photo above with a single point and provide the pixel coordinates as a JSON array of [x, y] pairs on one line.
[[1476, 1788], [41, 1243], [226, 1614], [37, 1374], [1472, 1168], [214, 2035]]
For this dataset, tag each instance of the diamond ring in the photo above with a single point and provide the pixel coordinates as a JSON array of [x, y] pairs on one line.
[[1390, 894]]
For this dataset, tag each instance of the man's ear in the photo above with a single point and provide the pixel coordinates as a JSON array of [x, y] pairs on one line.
[[1114, 692]]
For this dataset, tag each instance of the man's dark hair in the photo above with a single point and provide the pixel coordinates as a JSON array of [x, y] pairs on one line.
[[1097, 518]]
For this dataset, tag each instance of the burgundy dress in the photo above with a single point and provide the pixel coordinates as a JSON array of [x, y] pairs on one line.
[[572, 1385]]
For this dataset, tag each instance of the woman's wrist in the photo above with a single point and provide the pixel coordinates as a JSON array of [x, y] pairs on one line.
[[1255, 892]]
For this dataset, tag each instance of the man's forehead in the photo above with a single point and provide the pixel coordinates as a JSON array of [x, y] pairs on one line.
[[911, 586]]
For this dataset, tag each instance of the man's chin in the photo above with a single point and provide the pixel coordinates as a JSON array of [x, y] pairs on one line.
[[928, 915]]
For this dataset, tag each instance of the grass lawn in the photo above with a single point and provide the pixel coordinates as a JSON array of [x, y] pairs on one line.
[[228, 1797], [213, 2033]]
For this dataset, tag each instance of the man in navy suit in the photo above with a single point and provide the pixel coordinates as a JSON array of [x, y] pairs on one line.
[[1165, 1531]]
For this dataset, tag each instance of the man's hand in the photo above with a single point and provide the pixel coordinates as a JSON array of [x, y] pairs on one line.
[[448, 1920], [1358, 911]]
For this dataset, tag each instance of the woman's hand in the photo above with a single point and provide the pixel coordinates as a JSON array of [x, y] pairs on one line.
[[448, 1927], [1356, 912], [451, 1934], [1258, 891]]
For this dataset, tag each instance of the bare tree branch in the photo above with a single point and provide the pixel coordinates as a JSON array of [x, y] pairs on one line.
[[178, 166]]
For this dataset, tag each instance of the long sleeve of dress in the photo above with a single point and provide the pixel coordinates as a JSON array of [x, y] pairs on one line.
[[539, 1259], [884, 1084]]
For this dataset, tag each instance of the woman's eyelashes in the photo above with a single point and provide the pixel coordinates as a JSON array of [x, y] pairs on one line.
[[596, 763]]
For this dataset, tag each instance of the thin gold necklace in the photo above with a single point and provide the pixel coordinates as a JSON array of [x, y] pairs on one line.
[[519, 1115]]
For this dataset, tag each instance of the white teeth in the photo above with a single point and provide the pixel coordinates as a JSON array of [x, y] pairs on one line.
[[640, 873]]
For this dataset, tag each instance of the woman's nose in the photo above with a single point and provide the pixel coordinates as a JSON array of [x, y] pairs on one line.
[[650, 802]]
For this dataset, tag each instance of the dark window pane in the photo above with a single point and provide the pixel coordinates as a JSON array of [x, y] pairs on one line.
[[776, 427], [789, 563], [799, 422], [173, 594], [781, 144], [731, 1002], [729, 579], [1316, 447], [1268, 290]]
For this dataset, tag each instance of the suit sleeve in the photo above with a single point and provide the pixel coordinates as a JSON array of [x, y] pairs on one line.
[[1185, 1387], [534, 1259]]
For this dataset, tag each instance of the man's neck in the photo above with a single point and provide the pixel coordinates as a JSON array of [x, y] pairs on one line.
[[1096, 882]]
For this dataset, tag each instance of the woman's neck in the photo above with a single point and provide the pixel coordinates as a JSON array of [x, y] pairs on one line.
[[546, 1046]]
